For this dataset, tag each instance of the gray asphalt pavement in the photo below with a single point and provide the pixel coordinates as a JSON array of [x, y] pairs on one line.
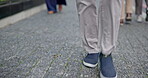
[[49, 46]]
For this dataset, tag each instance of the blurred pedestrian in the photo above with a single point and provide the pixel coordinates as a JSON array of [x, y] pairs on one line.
[[60, 3], [126, 10], [139, 6], [51, 6], [99, 33]]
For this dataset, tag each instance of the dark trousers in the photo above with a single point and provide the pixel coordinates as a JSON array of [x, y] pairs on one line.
[[61, 2], [139, 6], [51, 5]]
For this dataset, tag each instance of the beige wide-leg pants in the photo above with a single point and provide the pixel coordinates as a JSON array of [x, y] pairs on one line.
[[99, 29], [127, 7]]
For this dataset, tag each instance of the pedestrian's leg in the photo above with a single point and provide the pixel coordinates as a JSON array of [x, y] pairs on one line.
[[109, 20], [109, 16], [138, 7], [47, 4], [129, 4], [51, 5], [60, 7], [146, 1], [122, 13], [60, 4], [146, 19], [88, 22], [138, 11], [89, 27]]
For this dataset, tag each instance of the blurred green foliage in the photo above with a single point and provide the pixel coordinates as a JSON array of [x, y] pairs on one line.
[[3, 0]]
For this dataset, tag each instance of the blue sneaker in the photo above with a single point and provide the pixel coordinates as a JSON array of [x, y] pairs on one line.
[[107, 69], [91, 60]]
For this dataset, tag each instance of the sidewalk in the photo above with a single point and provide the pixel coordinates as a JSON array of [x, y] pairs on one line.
[[49, 46]]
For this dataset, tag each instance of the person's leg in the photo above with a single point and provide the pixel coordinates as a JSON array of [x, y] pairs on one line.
[[138, 6], [138, 12], [109, 20], [60, 8], [47, 4], [60, 3], [87, 13], [88, 22], [146, 19], [129, 4], [51, 5], [122, 13], [146, 1]]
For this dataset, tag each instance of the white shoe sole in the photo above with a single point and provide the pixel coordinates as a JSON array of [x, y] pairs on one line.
[[89, 65], [121, 24], [139, 21], [101, 76]]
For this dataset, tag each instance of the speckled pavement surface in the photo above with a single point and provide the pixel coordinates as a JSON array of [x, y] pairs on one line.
[[49, 46]]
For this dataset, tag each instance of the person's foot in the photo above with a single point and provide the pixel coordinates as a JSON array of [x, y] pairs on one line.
[[107, 69], [139, 18], [146, 19], [91, 60], [51, 12], [121, 22], [128, 18]]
